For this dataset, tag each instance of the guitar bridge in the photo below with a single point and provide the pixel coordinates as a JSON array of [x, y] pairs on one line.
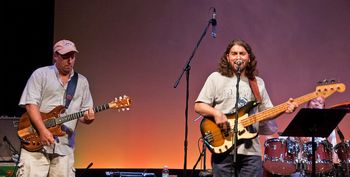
[[208, 137]]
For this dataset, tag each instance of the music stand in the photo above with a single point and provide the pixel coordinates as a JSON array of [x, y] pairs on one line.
[[314, 123]]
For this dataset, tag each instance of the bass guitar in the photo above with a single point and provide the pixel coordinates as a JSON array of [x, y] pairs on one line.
[[28, 134], [219, 141]]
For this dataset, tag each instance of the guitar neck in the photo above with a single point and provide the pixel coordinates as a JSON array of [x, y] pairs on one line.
[[61, 120], [276, 110]]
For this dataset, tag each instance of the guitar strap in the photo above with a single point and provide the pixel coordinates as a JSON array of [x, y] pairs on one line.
[[254, 86], [72, 84], [255, 89]]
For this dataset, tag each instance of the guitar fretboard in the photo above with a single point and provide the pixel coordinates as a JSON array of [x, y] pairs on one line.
[[77, 115], [61, 120], [276, 110]]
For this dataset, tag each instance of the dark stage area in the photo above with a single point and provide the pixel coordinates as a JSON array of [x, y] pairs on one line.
[[7, 171], [132, 172], [28, 38]]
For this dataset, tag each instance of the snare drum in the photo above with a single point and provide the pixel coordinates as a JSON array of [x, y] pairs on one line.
[[280, 155], [323, 154], [343, 151]]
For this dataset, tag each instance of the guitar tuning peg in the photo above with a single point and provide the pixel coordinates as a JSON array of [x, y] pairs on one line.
[[319, 82], [324, 82], [127, 109], [123, 109]]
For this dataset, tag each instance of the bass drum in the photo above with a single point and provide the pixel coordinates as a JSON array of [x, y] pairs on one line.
[[280, 155]]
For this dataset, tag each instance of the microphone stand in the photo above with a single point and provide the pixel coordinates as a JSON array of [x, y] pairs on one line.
[[235, 128], [11, 147], [15, 154], [204, 172], [187, 69]]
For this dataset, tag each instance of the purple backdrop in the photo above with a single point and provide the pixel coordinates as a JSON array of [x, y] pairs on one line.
[[139, 48]]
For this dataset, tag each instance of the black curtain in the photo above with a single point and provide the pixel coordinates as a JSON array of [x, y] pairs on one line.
[[28, 38]]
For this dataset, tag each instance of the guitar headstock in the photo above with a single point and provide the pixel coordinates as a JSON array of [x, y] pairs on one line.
[[122, 103], [327, 88]]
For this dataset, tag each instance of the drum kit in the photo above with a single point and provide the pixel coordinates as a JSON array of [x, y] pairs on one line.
[[292, 156], [285, 156]]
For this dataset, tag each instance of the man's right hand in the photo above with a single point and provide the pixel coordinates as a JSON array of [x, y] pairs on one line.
[[46, 137], [221, 121], [219, 117]]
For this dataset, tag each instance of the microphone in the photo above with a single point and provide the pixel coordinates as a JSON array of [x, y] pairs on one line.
[[85, 170], [213, 23], [89, 165], [340, 134], [238, 62]]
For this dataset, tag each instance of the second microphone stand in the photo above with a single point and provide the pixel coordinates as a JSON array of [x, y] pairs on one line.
[[186, 70], [235, 128]]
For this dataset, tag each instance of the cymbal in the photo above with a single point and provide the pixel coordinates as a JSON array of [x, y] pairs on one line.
[[345, 105]]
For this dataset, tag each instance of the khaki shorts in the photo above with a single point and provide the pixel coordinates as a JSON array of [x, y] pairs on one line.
[[41, 164]]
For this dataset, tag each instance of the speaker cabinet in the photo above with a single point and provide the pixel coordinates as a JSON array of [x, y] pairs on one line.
[[9, 138]]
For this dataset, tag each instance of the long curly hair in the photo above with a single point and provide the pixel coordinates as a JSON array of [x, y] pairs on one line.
[[226, 69]]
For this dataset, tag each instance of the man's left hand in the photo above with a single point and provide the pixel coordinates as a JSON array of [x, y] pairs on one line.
[[292, 106]]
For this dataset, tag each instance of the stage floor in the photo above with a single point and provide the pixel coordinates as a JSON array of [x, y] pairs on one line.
[[134, 172]]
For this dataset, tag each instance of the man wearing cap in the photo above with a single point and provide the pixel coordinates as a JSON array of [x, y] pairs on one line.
[[45, 90]]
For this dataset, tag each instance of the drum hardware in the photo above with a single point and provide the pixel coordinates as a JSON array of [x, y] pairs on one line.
[[342, 150]]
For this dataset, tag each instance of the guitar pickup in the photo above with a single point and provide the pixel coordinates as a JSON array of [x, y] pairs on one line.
[[241, 132], [225, 129]]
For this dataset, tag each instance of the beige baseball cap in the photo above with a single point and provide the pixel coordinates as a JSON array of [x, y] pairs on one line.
[[64, 46]]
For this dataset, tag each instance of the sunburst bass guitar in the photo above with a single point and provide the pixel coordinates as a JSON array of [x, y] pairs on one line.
[[29, 137], [219, 141]]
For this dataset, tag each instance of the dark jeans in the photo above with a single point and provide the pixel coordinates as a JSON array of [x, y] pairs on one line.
[[247, 166]]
